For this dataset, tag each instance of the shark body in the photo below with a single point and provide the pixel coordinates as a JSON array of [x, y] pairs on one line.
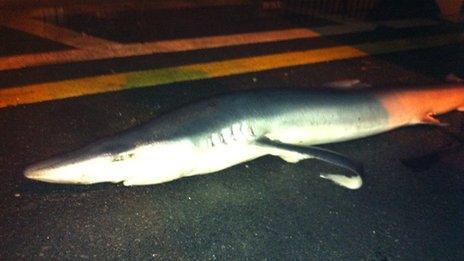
[[229, 129]]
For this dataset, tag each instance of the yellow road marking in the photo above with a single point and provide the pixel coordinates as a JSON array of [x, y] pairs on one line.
[[116, 82], [93, 48], [58, 34], [127, 50]]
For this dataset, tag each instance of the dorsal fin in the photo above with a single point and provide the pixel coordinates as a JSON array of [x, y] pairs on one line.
[[453, 78], [347, 84]]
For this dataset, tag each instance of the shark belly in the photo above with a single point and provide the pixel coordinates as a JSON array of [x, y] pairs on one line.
[[159, 162], [222, 157]]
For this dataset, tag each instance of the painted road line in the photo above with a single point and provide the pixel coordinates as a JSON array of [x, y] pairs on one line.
[[396, 24], [121, 6], [247, 38], [117, 82], [408, 23], [128, 50], [59, 34]]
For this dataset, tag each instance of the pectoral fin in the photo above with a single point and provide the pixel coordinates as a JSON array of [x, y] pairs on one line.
[[348, 181], [292, 157]]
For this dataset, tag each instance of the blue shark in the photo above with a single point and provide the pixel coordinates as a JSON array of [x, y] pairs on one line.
[[226, 130]]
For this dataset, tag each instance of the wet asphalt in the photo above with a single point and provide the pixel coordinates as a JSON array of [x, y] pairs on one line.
[[410, 207]]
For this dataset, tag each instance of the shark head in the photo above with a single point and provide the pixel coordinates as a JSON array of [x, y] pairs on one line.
[[116, 162], [77, 168]]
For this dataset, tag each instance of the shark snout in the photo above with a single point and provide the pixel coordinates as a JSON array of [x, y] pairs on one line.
[[32, 172], [49, 171], [72, 171], [41, 171]]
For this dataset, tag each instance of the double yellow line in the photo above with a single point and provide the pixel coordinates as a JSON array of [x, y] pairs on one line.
[[116, 82]]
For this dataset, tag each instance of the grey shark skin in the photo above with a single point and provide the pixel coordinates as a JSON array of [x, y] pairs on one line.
[[229, 129]]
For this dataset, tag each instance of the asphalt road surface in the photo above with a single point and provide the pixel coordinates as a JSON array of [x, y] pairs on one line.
[[410, 207]]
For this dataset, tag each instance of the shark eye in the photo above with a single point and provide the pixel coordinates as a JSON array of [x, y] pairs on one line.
[[122, 157]]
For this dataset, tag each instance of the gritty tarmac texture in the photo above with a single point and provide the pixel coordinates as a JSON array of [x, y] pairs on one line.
[[265, 208], [17, 42], [193, 23]]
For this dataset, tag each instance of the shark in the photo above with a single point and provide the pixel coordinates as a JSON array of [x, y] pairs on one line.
[[225, 130]]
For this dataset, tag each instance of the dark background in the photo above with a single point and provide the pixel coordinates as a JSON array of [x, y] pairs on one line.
[[264, 209]]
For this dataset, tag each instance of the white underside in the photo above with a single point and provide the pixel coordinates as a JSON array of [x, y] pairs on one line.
[[187, 160], [166, 161]]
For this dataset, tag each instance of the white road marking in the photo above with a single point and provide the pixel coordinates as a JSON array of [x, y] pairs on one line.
[[114, 7], [58, 34], [93, 48], [189, 44]]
